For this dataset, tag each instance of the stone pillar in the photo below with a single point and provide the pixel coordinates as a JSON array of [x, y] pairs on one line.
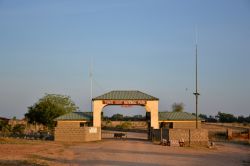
[[152, 107], [97, 110]]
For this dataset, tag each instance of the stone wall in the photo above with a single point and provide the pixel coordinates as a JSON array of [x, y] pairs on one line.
[[186, 125], [72, 132], [190, 137]]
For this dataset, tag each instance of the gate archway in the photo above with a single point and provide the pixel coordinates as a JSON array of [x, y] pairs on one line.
[[126, 98]]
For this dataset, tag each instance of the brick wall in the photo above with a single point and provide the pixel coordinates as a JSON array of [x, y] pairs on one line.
[[189, 136], [186, 125], [72, 132]]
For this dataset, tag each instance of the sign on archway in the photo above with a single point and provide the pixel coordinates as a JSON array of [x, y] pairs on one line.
[[125, 102]]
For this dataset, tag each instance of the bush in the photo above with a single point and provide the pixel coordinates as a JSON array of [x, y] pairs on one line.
[[125, 125], [108, 122], [18, 129], [3, 124], [6, 130]]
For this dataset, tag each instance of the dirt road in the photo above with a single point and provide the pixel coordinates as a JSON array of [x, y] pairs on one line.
[[145, 153], [121, 152]]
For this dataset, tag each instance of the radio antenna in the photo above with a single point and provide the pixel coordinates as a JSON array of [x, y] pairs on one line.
[[91, 81], [196, 93]]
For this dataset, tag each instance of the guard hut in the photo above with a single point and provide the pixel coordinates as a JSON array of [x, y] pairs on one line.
[[76, 127], [178, 120], [180, 128]]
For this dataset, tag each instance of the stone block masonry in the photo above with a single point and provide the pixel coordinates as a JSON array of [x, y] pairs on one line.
[[74, 133], [191, 137], [186, 125]]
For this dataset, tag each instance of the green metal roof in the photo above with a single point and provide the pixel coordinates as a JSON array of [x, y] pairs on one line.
[[86, 116], [125, 95], [163, 116], [175, 116]]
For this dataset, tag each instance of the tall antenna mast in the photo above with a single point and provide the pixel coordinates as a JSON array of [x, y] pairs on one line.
[[196, 76], [91, 81]]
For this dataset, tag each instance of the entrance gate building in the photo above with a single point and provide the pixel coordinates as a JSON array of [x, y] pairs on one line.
[[126, 98], [86, 126]]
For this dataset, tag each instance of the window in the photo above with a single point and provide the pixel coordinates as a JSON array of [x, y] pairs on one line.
[[168, 125], [82, 124]]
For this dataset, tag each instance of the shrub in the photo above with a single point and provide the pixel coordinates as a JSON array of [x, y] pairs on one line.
[[125, 125], [18, 129]]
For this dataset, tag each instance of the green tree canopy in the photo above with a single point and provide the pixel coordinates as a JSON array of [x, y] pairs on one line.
[[117, 117], [48, 108], [3, 124], [177, 107], [225, 117], [18, 129], [203, 116]]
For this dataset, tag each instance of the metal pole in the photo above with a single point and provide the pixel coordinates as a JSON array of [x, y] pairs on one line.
[[91, 82], [196, 84], [196, 91]]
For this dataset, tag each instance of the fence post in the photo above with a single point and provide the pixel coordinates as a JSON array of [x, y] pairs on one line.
[[229, 134], [248, 133], [161, 134], [189, 137]]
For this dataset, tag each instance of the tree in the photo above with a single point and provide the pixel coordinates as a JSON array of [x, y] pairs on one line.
[[203, 116], [242, 119], [18, 129], [48, 108], [224, 117], [5, 128], [177, 107], [247, 119], [117, 117], [138, 118], [2, 124], [211, 119]]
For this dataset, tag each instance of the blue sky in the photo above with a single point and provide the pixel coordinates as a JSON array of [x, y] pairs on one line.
[[46, 47]]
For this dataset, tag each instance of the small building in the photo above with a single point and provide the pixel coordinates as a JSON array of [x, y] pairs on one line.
[[14, 122], [4, 119], [179, 127], [178, 120], [76, 127]]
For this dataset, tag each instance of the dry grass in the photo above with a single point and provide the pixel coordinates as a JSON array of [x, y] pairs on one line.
[[21, 163], [18, 141], [218, 132]]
